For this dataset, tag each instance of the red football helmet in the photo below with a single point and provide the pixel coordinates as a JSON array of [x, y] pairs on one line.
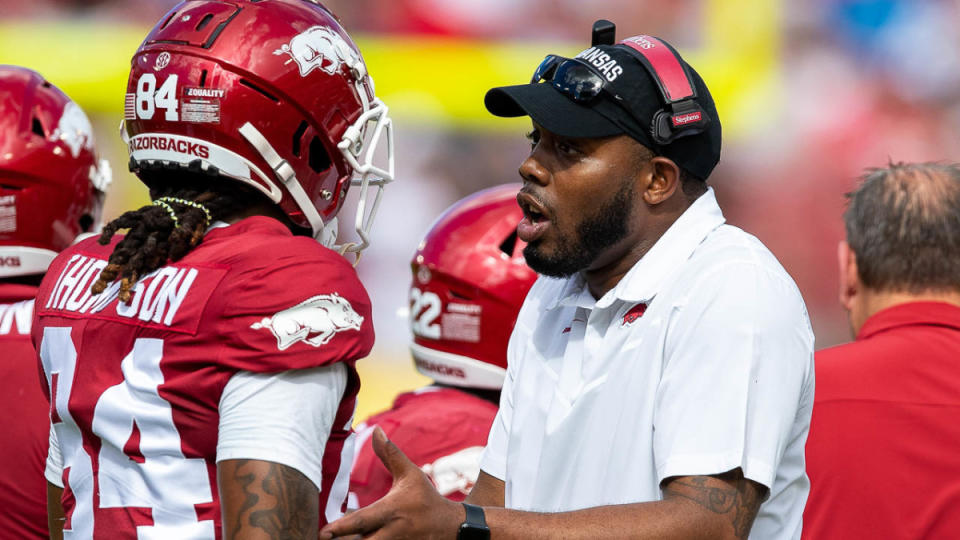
[[272, 93], [469, 281], [51, 182]]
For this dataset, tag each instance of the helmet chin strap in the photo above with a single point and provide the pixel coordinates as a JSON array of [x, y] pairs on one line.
[[326, 234]]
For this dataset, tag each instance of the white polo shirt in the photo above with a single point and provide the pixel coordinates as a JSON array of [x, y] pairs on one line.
[[604, 399]]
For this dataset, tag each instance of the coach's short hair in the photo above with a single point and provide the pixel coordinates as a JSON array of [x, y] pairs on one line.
[[903, 225]]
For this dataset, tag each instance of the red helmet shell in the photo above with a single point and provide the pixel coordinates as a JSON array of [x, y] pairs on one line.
[[286, 67], [469, 281], [51, 181]]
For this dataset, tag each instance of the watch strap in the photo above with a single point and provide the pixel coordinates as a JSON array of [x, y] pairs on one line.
[[474, 526]]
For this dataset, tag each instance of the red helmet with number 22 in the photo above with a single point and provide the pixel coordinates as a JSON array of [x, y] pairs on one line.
[[469, 281], [271, 93], [52, 182]]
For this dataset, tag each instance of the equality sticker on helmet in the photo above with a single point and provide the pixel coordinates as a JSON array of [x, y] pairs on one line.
[[319, 47], [8, 213], [74, 129], [461, 322], [314, 321], [201, 105]]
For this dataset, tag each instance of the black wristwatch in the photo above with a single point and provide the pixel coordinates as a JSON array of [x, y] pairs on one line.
[[475, 526]]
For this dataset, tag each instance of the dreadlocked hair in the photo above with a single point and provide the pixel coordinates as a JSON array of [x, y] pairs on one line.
[[168, 230]]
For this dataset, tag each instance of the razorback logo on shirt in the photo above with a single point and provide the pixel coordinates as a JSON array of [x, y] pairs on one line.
[[633, 314], [157, 298], [314, 321]]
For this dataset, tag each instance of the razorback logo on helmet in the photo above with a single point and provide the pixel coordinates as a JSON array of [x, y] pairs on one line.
[[314, 321], [319, 47], [74, 130]]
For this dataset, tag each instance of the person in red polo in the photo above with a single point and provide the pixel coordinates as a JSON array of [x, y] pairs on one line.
[[883, 453]]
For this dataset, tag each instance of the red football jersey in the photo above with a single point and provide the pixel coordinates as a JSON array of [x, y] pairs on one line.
[[442, 430], [137, 386], [24, 423]]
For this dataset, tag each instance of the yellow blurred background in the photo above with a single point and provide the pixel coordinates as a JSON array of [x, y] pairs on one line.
[[809, 94]]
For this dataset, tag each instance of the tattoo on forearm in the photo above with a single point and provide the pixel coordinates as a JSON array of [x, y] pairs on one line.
[[293, 514], [250, 499], [729, 494]]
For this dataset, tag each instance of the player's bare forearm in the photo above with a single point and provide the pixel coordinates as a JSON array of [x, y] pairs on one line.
[[487, 491], [264, 500], [55, 517], [715, 507]]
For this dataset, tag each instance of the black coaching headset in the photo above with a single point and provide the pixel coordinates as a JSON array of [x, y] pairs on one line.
[[682, 116]]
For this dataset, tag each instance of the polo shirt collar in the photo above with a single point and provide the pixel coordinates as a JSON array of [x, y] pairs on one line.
[[575, 293], [648, 275], [911, 314]]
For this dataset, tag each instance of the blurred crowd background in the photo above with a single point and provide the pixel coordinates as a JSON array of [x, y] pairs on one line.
[[810, 93]]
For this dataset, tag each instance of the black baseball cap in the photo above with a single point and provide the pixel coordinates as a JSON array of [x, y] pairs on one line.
[[629, 107]]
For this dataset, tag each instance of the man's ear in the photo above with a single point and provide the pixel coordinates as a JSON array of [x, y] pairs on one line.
[[664, 180], [850, 284]]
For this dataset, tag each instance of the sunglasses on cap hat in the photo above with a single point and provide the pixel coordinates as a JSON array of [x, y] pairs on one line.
[[572, 78]]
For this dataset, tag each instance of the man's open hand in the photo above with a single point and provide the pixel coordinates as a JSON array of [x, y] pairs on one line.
[[411, 509]]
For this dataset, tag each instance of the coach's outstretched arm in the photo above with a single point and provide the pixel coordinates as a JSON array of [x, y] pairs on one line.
[[720, 506]]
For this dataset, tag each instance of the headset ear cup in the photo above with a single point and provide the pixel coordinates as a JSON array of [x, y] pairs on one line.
[[660, 129]]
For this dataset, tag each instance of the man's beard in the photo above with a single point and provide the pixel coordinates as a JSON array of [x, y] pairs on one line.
[[594, 234]]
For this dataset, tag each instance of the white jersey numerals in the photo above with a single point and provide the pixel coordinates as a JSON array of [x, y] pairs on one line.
[[425, 308], [149, 98], [152, 474]]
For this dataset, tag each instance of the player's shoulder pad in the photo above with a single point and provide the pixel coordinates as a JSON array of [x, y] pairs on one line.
[[293, 304]]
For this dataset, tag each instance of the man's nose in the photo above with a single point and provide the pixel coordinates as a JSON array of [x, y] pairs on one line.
[[531, 170]]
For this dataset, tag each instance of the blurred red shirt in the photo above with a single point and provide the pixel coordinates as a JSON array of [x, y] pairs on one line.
[[883, 454], [442, 430], [23, 422]]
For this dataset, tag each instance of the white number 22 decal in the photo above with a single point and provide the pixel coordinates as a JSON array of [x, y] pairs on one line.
[[425, 307], [159, 477], [149, 98]]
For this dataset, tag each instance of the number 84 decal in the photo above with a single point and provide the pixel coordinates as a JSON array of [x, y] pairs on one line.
[[148, 98]]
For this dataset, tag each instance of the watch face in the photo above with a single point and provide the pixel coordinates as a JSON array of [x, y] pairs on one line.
[[469, 531]]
